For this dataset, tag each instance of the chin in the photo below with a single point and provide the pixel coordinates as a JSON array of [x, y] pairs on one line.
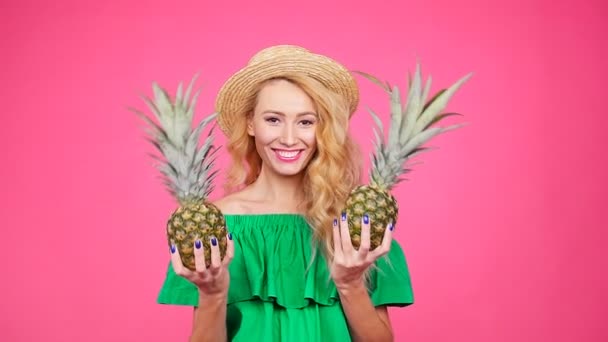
[[291, 170]]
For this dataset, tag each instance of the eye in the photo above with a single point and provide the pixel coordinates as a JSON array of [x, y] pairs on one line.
[[307, 122], [272, 120]]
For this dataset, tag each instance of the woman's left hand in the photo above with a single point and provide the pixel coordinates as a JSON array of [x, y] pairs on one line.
[[349, 264]]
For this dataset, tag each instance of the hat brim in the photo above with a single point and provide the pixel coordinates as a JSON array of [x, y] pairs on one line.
[[283, 61]]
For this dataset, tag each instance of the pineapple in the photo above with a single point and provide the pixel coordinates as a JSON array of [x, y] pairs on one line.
[[410, 128], [187, 172]]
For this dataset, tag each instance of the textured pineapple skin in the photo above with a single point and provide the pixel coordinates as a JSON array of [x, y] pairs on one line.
[[200, 220], [381, 207]]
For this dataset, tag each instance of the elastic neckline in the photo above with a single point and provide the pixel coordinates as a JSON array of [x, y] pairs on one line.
[[266, 214]]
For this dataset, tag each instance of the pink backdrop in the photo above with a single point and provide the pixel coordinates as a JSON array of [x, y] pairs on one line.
[[502, 226]]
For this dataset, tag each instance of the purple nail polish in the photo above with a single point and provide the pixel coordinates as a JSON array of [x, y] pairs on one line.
[[335, 222], [197, 244], [344, 216], [214, 241], [390, 226], [229, 236], [173, 249], [365, 219]]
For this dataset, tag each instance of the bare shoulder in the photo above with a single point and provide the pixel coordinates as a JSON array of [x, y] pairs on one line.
[[243, 202], [231, 204]]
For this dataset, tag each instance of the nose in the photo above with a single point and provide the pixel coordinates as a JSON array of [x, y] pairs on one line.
[[288, 136]]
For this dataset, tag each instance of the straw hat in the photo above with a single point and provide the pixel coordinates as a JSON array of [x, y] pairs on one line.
[[276, 61]]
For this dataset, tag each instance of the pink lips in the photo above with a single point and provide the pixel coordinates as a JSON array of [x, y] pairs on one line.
[[288, 156]]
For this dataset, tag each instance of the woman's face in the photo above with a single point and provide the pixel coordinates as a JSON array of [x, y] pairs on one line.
[[283, 125]]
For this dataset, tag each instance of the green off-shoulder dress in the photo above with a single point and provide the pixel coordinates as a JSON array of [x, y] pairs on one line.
[[275, 296]]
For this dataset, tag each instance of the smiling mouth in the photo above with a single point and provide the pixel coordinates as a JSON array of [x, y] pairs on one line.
[[288, 156]]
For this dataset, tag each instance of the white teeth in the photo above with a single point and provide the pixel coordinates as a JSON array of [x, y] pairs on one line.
[[285, 154]]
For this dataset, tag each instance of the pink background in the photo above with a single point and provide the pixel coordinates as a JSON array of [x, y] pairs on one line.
[[503, 226]]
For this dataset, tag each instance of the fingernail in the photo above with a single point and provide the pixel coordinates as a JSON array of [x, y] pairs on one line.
[[344, 216], [229, 236], [214, 241], [197, 243], [390, 226], [173, 249], [335, 222], [365, 219]]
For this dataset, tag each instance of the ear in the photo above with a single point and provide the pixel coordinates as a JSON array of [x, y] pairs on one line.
[[250, 125]]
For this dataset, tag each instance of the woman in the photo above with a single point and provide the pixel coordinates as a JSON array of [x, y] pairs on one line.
[[290, 272]]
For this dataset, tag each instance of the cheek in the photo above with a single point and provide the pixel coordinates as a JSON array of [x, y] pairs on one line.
[[261, 141], [310, 139], [263, 135]]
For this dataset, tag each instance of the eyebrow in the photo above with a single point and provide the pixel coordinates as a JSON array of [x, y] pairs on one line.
[[270, 111]]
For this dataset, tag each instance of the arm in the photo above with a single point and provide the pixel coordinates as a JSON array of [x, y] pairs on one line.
[[209, 323], [366, 322]]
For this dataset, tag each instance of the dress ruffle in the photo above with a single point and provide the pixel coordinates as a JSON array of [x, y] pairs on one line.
[[275, 253], [274, 262]]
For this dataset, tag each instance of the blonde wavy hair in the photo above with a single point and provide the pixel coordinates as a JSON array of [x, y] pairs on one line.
[[331, 174]]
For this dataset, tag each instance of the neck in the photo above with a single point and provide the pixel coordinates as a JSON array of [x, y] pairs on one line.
[[283, 192]]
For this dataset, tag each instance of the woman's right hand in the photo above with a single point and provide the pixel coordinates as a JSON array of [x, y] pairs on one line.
[[211, 281]]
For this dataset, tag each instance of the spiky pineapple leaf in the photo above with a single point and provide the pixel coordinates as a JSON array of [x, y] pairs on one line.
[[162, 101], [409, 79], [153, 109], [396, 117], [192, 105], [375, 80], [433, 99], [412, 108], [168, 171], [439, 118], [419, 150], [155, 129], [419, 139], [454, 127], [190, 86], [409, 128], [426, 91], [439, 104], [376, 119], [185, 167], [179, 95]]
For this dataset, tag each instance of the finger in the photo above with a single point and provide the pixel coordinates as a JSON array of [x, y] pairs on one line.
[[229, 250], [347, 245], [199, 256], [215, 257], [337, 241], [365, 243], [385, 246], [176, 262]]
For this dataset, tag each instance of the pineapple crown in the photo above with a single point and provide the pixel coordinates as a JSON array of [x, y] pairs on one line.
[[410, 127], [186, 167]]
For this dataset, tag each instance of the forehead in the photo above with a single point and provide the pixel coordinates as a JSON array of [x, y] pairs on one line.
[[285, 96]]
